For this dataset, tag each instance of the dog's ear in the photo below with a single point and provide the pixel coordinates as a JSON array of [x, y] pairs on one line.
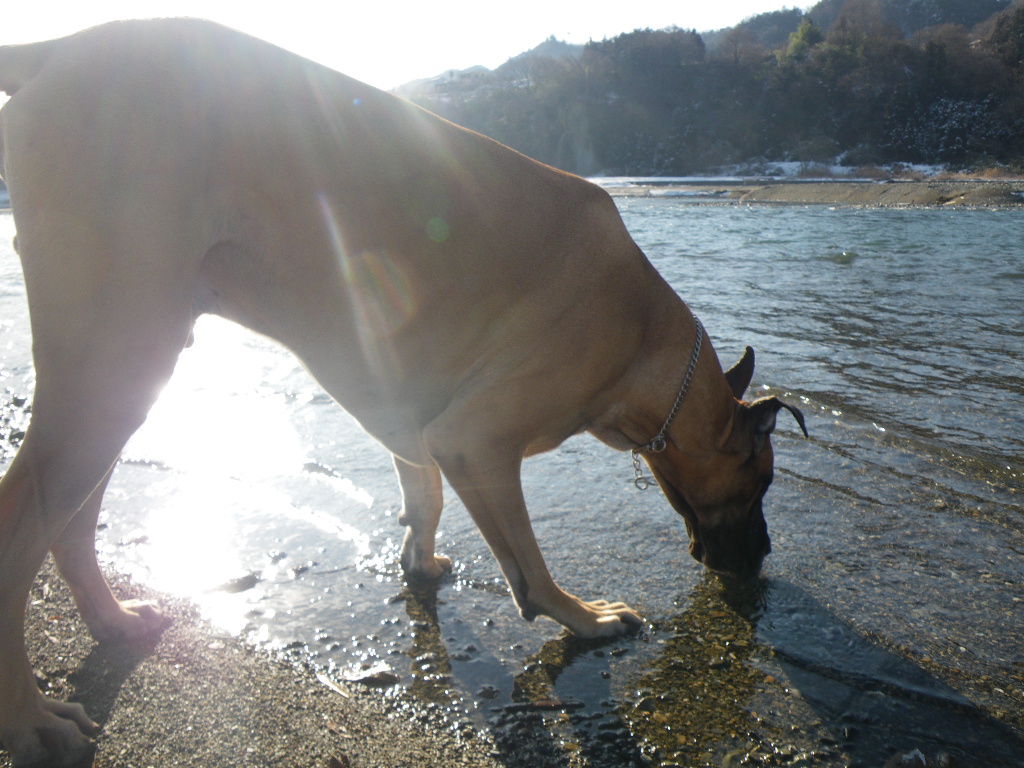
[[739, 375], [763, 414]]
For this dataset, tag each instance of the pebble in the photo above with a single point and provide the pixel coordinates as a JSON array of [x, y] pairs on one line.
[[380, 678], [912, 759], [648, 704]]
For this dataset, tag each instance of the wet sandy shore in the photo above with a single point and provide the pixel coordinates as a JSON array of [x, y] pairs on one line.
[[869, 193], [194, 697]]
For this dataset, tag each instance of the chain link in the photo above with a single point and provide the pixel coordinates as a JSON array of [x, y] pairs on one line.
[[639, 479], [659, 442]]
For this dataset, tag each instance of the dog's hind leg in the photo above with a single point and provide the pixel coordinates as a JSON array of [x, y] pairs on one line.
[[107, 618], [33, 503], [67, 452], [422, 500], [74, 438], [107, 330]]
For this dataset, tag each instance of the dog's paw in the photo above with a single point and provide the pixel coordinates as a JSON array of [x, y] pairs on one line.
[[428, 570], [597, 618], [614, 618], [56, 737], [132, 620], [419, 563]]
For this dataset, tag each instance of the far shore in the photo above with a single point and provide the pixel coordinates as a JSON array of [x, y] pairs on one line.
[[852, 192], [885, 193]]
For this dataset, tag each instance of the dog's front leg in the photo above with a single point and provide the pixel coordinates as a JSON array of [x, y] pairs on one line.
[[107, 618], [487, 480], [421, 510]]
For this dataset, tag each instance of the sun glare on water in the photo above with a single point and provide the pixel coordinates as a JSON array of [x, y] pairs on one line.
[[214, 419], [210, 471]]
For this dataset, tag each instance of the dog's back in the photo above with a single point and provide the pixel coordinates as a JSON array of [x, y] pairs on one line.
[[185, 93], [20, 63]]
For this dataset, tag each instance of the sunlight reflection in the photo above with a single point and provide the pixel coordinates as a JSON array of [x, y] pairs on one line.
[[214, 417], [198, 542], [228, 463], [191, 549], [380, 292]]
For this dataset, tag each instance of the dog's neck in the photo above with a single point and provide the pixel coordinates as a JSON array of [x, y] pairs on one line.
[[657, 443], [669, 379]]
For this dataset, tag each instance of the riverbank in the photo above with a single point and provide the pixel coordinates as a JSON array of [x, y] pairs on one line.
[[198, 697], [866, 192], [887, 193]]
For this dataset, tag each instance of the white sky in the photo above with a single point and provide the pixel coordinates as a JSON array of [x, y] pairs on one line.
[[389, 42]]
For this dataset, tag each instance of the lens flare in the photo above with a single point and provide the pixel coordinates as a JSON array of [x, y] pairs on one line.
[[381, 295]]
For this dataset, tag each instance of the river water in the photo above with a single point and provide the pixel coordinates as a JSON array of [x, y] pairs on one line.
[[889, 616]]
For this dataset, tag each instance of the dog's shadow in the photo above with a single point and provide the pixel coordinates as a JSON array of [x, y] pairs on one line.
[[871, 698], [750, 671], [429, 658], [68, 663], [98, 680]]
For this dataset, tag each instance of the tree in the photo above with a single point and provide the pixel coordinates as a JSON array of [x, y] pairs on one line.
[[862, 22], [649, 53], [954, 66], [740, 43], [1007, 38], [807, 35]]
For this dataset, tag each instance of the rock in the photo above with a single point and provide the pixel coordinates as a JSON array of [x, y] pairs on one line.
[[241, 584], [375, 678], [912, 759]]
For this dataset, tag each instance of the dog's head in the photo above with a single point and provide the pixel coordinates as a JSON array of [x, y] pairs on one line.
[[718, 488]]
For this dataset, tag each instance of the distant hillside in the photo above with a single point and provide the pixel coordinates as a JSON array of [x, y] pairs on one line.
[[550, 50], [767, 30], [858, 81], [911, 16], [772, 30]]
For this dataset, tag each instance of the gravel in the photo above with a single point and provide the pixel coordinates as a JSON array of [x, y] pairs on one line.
[[194, 697]]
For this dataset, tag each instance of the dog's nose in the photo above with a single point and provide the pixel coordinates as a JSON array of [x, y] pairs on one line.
[[740, 553]]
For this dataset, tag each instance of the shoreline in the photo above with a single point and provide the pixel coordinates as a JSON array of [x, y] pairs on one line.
[[853, 192], [884, 193], [195, 696]]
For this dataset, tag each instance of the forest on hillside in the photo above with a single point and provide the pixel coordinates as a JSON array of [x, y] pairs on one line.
[[861, 82]]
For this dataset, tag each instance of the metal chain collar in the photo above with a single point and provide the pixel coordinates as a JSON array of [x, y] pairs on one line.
[[659, 442]]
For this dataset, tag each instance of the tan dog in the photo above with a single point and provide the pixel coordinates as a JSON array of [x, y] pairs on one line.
[[468, 305]]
